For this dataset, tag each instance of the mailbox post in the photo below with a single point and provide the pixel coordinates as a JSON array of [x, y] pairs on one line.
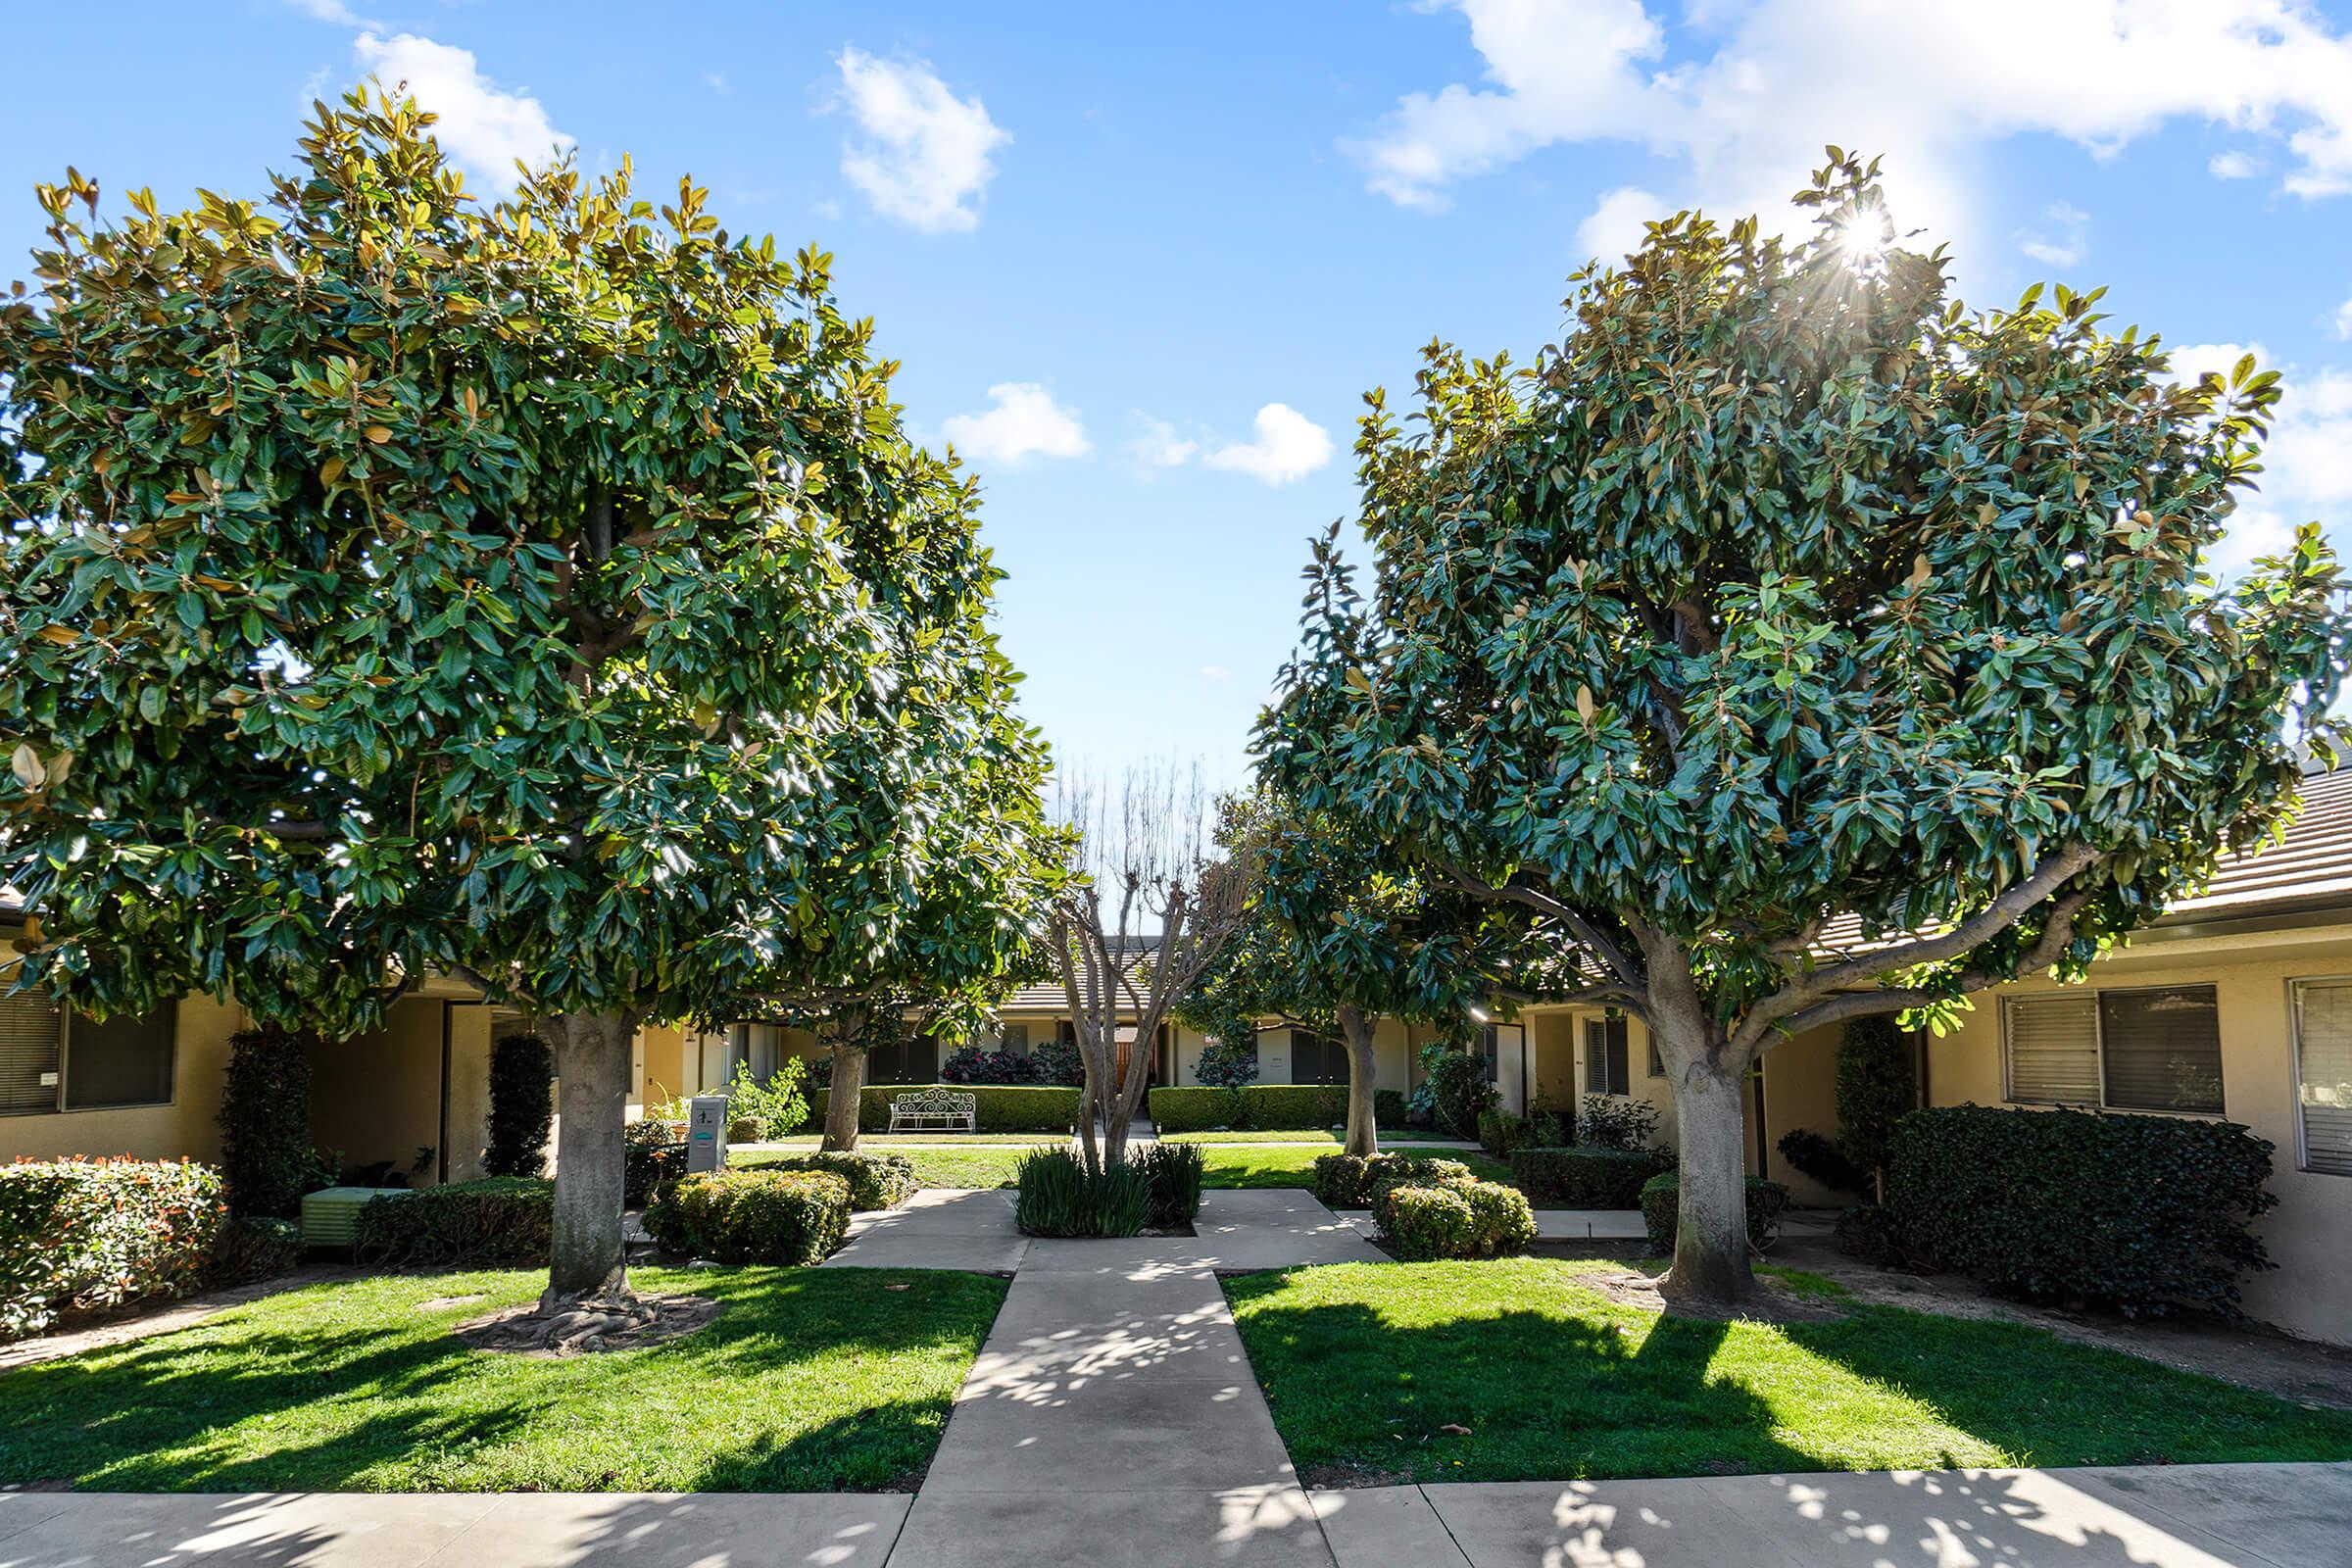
[[707, 1133]]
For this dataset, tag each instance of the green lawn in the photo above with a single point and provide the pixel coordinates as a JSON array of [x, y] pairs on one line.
[[1365, 1366], [1309, 1135], [989, 1166], [907, 1142], [1225, 1165], [808, 1381]]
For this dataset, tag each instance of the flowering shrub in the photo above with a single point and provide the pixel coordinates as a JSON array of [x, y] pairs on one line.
[[969, 1065], [1224, 1066], [1058, 1063], [86, 1234]]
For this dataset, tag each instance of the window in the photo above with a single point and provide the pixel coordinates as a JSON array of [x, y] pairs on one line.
[[2323, 1074], [1317, 1059], [1489, 1052], [1606, 1065], [2157, 1048], [1657, 1064], [1013, 1039], [51, 1060]]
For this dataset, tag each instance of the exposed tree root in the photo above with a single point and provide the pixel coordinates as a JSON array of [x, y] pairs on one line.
[[587, 1327]]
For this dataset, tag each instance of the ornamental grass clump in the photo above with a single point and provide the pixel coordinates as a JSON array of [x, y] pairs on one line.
[[1060, 1195], [1175, 1172]]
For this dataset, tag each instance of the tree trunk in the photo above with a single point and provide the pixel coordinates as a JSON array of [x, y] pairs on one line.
[[1710, 1242], [841, 1099], [1363, 1068], [590, 1263]]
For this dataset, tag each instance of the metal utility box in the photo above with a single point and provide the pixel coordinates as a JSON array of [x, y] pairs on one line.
[[330, 1216], [707, 1133]]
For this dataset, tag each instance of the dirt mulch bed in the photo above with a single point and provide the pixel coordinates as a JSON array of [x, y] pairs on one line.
[[1774, 1302]]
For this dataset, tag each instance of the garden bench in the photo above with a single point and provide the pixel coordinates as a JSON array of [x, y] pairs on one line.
[[935, 1110]]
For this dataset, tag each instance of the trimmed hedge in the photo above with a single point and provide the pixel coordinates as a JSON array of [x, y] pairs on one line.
[[1354, 1181], [1662, 1200], [1264, 1106], [82, 1235], [499, 1219], [1460, 1219], [876, 1181], [1587, 1178], [1001, 1107], [790, 1218], [1503, 1135], [2140, 1213]]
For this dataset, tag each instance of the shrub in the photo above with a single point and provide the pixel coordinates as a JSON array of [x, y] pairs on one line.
[[969, 1065], [1060, 1063], [1662, 1196], [1866, 1230], [1060, 1196], [652, 1153], [1000, 1108], [1272, 1107], [254, 1246], [790, 1218], [875, 1181], [265, 1159], [774, 1106], [1388, 1108], [498, 1219], [1877, 1087], [1421, 1108], [1174, 1171], [523, 1107], [1225, 1065], [1503, 1134], [1809, 1153], [1463, 1219], [1586, 1178], [2141, 1213], [1354, 1181], [1616, 1121], [1457, 1087], [819, 1076], [1499, 1132], [84, 1235]]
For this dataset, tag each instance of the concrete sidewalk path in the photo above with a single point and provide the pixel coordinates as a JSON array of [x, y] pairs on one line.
[[1235, 1232]]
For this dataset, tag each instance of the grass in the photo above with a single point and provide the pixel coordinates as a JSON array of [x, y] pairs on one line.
[[907, 1142], [1226, 1164], [808, 1381], [1309, 1135], [1366, 1366]]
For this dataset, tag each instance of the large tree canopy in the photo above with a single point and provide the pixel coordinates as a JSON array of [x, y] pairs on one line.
[[1788, 599], [545, 593]]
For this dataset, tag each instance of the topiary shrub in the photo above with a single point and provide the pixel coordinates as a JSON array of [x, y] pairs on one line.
[[875, 1181], [789, 1217], [1175, 1172], [1270, 1107], [1461, 1220], [1459, 1090], [84, 1234], [496, 1220], [1060, 1196], [1866, 1230], [523, 1107], [1809, 1153], [267, 1162], [254, 1246], [1661, 1203], [1616, 1121], [2139, 1213], [1587, 1178], [1877, 1084], [1351, 1181], [998, 1108], [653, 1154]]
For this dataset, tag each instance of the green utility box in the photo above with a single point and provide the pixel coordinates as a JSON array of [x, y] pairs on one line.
[[330, 1216]]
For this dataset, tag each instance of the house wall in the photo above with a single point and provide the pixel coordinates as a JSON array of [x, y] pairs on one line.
[[1800, 1090], [377, 1096], [188, 1126]]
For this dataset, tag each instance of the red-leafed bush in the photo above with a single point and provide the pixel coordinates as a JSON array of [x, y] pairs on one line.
[[78, 1235]]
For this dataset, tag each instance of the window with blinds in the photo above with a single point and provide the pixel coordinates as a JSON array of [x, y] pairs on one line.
[[1606, 1065], [2152, 1048], [2323, 1074], [31, 1045]]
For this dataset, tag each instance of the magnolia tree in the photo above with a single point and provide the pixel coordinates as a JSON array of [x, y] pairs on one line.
[[1149, 907], [1337, 932], [1789, 600], [544, 593]]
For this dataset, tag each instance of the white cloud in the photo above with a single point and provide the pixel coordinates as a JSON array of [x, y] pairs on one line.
[[1614, 229], [1215, 673], [716, 81], [1926, 85], [481, 127], [925, 160], [1158, 446], [1289, 446], [2234, 166], [2307, 463], [1025, 422], [2343, 319], [335, 11], [2066, 240]]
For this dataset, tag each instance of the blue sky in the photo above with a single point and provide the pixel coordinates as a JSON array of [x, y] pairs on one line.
[[1141, 261]]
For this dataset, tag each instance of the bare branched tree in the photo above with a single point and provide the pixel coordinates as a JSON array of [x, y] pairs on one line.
[[1149, 913]]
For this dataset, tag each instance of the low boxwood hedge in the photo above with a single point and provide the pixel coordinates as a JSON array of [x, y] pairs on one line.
[[1354, 1181], [1587, 1178], [1661, 1210], [788, 1217], [1458, 1219], [1001, 1107], [2140, 1213], [499, 1219], [876, 1181], [1265, 1106], [88, 1234]]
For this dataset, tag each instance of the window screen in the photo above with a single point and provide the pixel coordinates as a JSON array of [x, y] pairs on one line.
[[29, 1038], [2053, 1049], [1605, 1066], [2323, 1074], [2163, 1048], [123, 1061]]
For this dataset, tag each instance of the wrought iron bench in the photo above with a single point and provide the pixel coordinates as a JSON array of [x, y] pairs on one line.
[[935, 1110]]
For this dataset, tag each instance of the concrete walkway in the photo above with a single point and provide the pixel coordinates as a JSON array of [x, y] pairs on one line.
[[1236, 1231]]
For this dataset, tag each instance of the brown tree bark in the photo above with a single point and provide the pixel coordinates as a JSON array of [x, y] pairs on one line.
[[841, 1099], [590, 1263], [1364, 1069]]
